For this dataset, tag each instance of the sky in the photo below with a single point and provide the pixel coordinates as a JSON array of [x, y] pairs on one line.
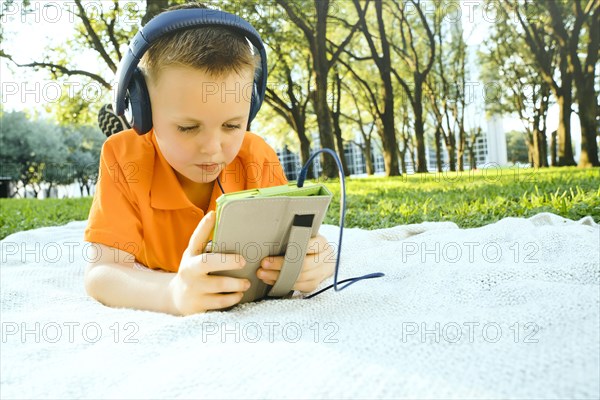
[[51, 22], [27, 37]]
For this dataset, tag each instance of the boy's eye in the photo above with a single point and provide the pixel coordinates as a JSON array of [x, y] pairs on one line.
[[193, 128], [186, 128]]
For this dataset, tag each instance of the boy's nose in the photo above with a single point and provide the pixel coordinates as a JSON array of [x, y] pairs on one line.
[[210, 144]]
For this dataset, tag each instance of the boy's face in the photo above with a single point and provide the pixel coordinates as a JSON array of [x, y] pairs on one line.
[[199, 120]]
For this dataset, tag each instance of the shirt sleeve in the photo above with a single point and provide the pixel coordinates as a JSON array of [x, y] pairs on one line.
[[114, 218]]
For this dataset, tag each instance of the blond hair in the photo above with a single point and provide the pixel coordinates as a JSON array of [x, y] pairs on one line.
[[216, 50]]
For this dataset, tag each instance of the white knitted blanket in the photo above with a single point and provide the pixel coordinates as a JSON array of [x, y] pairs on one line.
[[509, 310]]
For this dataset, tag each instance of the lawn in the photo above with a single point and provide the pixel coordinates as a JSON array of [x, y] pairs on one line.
[[470, 199]]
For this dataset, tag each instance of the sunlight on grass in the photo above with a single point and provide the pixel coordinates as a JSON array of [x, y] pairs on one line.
[[470, 199]]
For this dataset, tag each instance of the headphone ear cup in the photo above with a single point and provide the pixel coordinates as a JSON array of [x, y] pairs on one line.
[[254, 103], [139, 102]]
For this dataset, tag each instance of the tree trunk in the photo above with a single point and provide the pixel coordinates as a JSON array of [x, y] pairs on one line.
[[368, 159], [472, 162], [304, 149], [584, 79], [534, 147], [382, 59], [419, 128], [542, 149], [340, 145], [438, 149], [542, 145], [553, 146], [321, 66], [390, 145], [461, 149], [403, 159], [451, 149], [530, 151], [337, 129], [565, 149], [325, 128], [48, 189], [452, 154], [588, 111], [412, 157]]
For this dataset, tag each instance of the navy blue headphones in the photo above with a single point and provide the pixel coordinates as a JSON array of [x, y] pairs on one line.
[[132, 92]]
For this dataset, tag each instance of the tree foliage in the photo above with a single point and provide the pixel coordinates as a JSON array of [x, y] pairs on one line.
[[39, 155], [392, 74]]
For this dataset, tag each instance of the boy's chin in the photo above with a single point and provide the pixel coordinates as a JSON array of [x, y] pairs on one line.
[[195, 175], [203, 176]]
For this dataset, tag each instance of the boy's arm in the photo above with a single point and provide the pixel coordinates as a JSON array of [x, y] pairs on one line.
[[112, 280]]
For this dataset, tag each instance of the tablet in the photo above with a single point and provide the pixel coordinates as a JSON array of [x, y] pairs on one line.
[[275, 221]]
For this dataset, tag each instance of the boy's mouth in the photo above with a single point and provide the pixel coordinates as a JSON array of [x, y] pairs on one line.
[[208, 167]]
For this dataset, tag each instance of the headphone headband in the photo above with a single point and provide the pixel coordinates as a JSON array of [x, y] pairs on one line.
[[178, 20]]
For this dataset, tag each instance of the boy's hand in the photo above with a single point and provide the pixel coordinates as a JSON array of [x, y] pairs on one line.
[[319, 264], [192, 290]]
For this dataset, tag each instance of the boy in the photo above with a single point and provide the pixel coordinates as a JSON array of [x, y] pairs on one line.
[[155, 197]]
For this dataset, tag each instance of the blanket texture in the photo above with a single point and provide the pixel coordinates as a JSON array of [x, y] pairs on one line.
[[508, 310]]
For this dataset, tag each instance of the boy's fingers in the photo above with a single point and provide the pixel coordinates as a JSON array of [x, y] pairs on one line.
[[225, 284], [218, 301], [317, 244], [267, 275], [199, 238], [212, 262]]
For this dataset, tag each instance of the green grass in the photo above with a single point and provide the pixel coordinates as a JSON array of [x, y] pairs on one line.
[[23, 214], [470, 200]]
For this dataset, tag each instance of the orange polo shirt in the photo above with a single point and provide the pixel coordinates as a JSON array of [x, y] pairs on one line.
[[140, 207]]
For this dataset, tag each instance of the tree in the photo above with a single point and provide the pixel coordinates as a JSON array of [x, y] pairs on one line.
[[509, 65], [534, 21], [586, 15], [288, 66], [316, 37], [31, 152], [366, 123], [438, 93], [83, 145], [417, 65], [407, 139], [102, 28], [380, 55], [336, 113], [470, 142]]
